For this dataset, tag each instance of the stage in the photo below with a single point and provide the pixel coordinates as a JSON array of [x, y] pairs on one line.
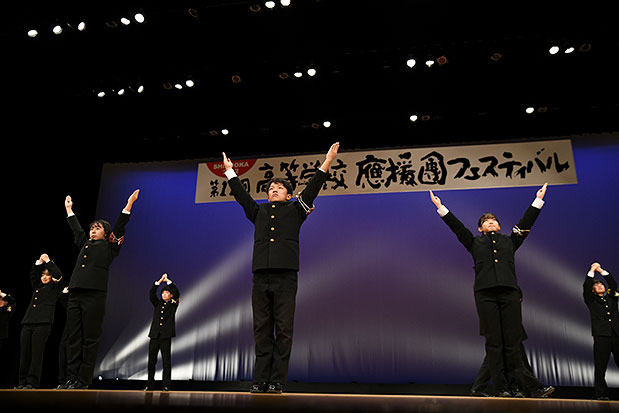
[[229, 401]]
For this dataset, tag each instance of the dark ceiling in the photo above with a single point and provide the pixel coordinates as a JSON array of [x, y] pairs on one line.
[[363, 86]]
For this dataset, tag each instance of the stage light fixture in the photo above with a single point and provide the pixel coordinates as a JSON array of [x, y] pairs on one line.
[[414, 118], [283, 75], [189, 83], [285, 3], [326, 124], [178, 86], [585, 47], [569, 50], [269, 4], [429, 63], [121, 92], [530, 110], [167, 86], [81, 26], [425, 117], [33, 33], [495, 57], [140, 89], [125, 21], [553, 50], [111, 24], [255, 7], [236, 79], [139, 17], [57, 29], [441, 60], [298, 74], [315, 125], [411, 63], [101, 94], [311, 72], [225, 131]]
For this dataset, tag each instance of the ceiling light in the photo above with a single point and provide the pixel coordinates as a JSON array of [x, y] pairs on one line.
[[429, 63], [285, 3], [57, 29], [32, 33], [81, 26], [101, 94], [189, 83], [569, 50], [140, 89], [269, 4], [121, 92], [298, 74], [411, 63], [553, 50], [413, 118], [311, 72], [529, 110], [139, 17], [326, 124], [178, 86], [125, 21], [225, 131]]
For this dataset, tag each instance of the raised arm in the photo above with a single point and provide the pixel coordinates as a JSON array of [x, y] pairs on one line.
[[238, 190], [132, 198], [522, 229], [331, 155], [464, 235]]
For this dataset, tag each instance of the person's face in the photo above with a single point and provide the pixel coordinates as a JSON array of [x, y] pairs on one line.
[[97, 232], [46, 277], [489, 225], [166, 295], [599, 288], [278, 193]]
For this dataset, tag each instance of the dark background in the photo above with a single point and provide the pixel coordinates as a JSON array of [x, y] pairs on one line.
[[58, 134]]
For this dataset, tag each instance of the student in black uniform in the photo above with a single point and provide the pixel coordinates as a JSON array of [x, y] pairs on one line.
[[7, 309], [162, 329], [275, 265], [602, 304], [88, 290], [46, 280], [496, 290]]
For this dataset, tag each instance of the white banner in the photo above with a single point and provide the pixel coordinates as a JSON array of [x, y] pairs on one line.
[[401, 170]]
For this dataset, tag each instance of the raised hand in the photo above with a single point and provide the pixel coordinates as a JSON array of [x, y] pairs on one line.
[[68, 204], [436, 200], [330, 156], [227, 162], [132, 198], [542, 191]]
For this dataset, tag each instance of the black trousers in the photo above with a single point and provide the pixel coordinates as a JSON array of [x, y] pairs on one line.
[[500, 317], [154, 347], [273, 304], [85, 313], [483, 377], [603, 346], [32, 347]]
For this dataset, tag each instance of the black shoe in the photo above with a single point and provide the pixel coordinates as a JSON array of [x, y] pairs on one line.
[[28, 386], [275, 388], [165, 388], [149, 388], [543, 391], [517, 393], [479, 393], [77, 385], [66, 384], [605, 398], [504, 393], [259, 387], [19, 387]]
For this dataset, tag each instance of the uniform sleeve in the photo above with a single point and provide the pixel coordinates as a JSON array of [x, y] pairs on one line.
[[243, 198], [464, 235]]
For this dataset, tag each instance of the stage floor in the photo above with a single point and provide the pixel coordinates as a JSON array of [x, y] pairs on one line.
[[154, 401]]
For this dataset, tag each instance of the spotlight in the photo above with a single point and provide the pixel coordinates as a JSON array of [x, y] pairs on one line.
[[57, 29], [298, 74], [326, 124], [236, 79], [311, 72], [269, 4], [193, 13], [285, 3], [125, 21], [496, 57], [121, 92], [178, 86], [529, 110], [140, 89], [413, 118], [569, 50], [33, 33], [224, 131], [429, 63], [139, 17], [553, 50], [189, 83], [101, 94], [585, 47], [441, 60], [411, 63]]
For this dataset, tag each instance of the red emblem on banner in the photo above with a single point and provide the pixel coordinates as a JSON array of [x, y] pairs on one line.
[[240, 167]]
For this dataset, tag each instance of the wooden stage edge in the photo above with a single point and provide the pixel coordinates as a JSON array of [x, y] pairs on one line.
[[94, 400]]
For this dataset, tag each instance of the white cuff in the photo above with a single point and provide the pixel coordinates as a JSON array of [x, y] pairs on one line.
[[3, 295], [442, 211], [605, 273], [126, 212], [70, 215], [591, 274], [537, 203], [230, 173]]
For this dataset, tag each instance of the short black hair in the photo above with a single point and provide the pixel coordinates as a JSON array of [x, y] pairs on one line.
[[486, 216], [282, 181], [107, 228]]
